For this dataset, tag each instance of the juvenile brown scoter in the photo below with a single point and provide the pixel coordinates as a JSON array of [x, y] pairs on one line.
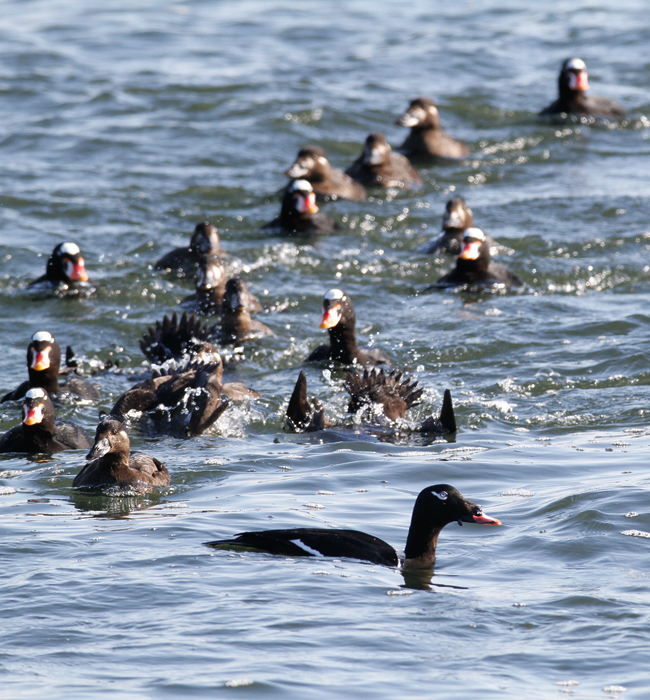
[[573, 84], [379, 166], [339, 319], [457, 218], [40, 431], [311, 164], [184, 261], [435, 507], [427, 138], [43, 367], [475, 267], [113, 464], [236, 323], [299, 214]]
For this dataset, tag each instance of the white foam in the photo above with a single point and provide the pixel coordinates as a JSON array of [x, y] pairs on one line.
[[334, 294], [70, 248], [42, 336]]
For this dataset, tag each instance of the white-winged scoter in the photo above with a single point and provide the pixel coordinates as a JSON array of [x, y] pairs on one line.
[[435, 507]]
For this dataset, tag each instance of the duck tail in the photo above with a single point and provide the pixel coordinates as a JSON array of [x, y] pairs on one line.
[[447, 415]]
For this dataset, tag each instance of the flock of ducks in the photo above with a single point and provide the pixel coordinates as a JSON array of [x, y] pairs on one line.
[[184, 392]]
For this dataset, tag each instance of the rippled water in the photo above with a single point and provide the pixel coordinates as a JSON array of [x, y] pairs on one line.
[[122, 126]]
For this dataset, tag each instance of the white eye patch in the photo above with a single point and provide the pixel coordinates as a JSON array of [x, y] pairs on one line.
[[35, 394], [442, 495], [334, 294], [575, 64], [306, 548], [70, 248], [301, 186], [475, 233], [42, 336]]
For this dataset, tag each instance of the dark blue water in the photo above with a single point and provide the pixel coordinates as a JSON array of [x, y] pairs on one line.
[[123, 125]]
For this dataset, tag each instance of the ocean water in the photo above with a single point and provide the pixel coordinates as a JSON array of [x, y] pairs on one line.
[[121, 127]]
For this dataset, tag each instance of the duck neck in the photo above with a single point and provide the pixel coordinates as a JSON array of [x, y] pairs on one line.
[[235, 323], [343, 343], [420, 551], [45, 379], [39, 437]]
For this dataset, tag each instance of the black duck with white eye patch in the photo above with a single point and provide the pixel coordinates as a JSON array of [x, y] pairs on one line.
[[430, 515]]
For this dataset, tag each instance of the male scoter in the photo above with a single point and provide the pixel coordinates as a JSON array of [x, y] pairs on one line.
[[475, 267], [183, 261], [573, 84], [43, 366], [114, 465], [40, 431], [339, 319], [435, 507], [427, 138], [236, 323], [65, 269], [299, 214], [379, 166], [311, 164]]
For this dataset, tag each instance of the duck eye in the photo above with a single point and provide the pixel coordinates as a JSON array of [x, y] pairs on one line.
[[442, 495]]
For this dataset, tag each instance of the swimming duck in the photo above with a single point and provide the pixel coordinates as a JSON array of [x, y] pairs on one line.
[[113, 464], [573, 84], [40, 431], [43, 366], [427, 139], [300, 214], [183, 261], [65, 269], [394, 393], [339, 319], [435, 507], [236, 323], [457, 218], [312, 165], [379, 166], [475, 267]]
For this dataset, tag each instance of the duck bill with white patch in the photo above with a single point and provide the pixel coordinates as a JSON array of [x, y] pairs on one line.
[[579, 80], [33, 414]]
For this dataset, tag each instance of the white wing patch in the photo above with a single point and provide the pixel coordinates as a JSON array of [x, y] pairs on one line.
[[304, 547]]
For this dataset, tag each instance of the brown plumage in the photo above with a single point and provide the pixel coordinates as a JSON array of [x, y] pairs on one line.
[[303, 416], [176, 338], [391, 391]]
